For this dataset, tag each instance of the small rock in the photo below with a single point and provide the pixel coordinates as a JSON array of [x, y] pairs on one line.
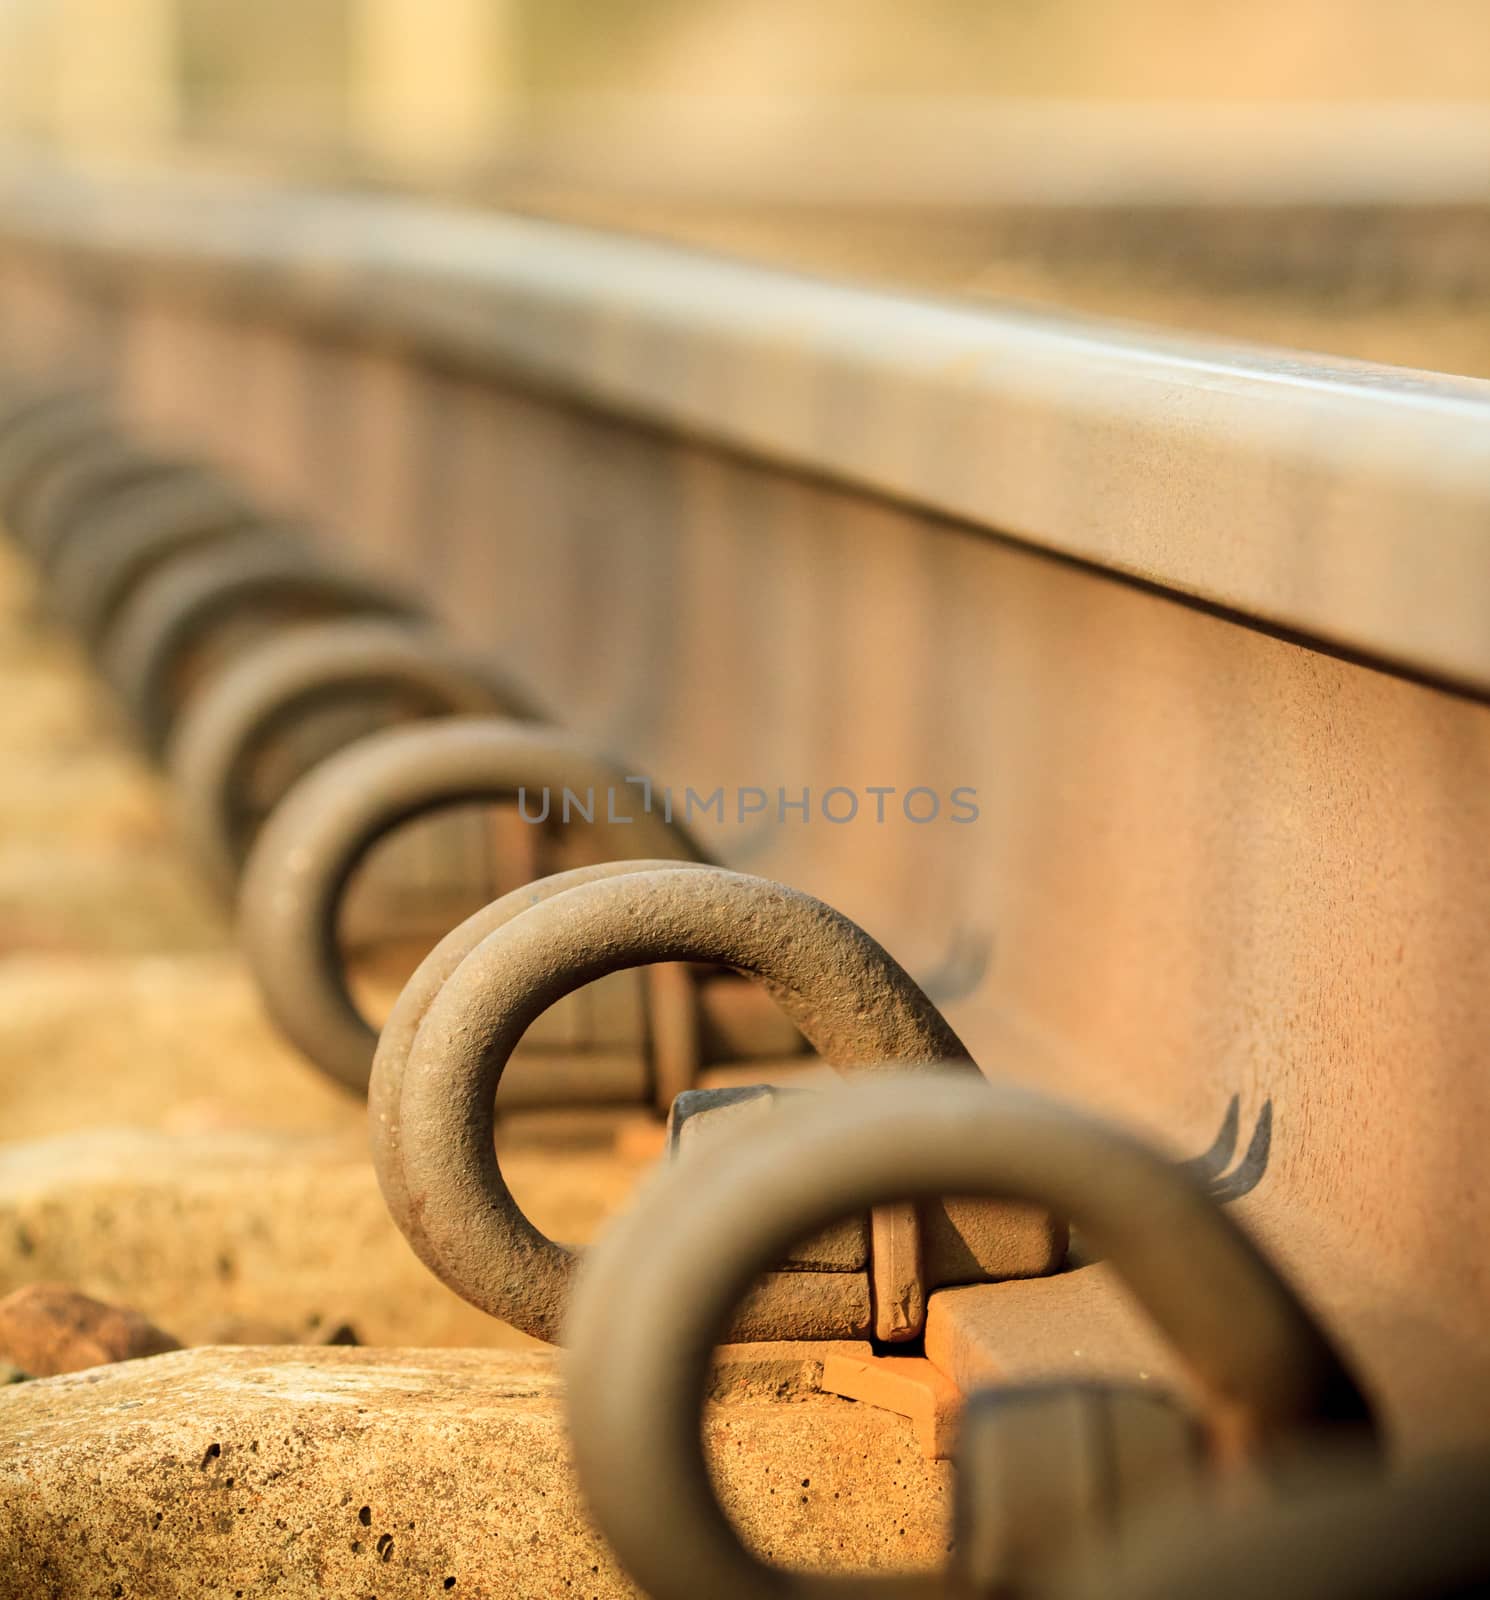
[[48, 1328]]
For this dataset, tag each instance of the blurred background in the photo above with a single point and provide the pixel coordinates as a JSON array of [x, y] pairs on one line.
[[1306, 172]]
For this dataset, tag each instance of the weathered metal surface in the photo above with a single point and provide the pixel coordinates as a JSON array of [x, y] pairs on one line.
[[677, 1029], [47, 517], [121, 543], [43, 429], [442, 1054], [298, 872], [697, 1116], [897, 1273], [1047, 1470], [657, 1291], [702, 1018], [1275, 466], [270, 691], [905, 1251], [1211, 860], [187, 607], [390, 1062], [1346, 1532], [24, 400]]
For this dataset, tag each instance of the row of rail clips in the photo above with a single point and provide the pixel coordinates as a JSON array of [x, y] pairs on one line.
[[306, 711]]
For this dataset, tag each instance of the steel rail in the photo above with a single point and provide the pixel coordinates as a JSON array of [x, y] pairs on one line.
[[1211, 862], [1340, 501]]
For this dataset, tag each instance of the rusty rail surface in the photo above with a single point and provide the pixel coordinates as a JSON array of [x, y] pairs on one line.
[[1287, 488], [1202, 629]]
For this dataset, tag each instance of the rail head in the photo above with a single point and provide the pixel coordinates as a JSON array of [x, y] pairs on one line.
[[1345, 503]]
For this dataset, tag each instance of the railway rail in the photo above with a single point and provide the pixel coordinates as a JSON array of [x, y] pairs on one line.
[[1101, 706]]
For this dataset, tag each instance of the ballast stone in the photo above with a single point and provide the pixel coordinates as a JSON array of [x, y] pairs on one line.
[[212, 1233], [404, 1473], [49, 1328]]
